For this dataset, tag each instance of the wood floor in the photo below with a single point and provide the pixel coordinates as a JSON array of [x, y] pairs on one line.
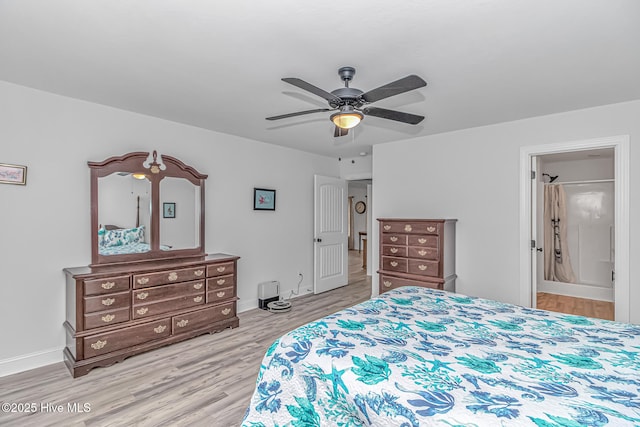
[[578, 306], [206, 381]]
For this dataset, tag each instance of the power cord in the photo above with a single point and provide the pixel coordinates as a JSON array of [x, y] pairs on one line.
[[292, 292]]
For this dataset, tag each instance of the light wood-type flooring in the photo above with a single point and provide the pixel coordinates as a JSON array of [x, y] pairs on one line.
[[205, 381], [578, 306]]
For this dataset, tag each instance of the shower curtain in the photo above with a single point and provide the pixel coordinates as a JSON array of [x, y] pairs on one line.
[[557, 265]]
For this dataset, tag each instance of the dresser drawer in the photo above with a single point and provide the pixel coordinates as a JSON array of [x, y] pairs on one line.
[[106, 285], [151, 309], [112, 341], [394, 264], [220, 282], [424, 267], [169, 276], [203, 318], [220, 269], [106, 318], [423, 240], [423, 253], [415, 227], [158, 293], [388, 282], [107, 302], [221, 294], [394, 250], [394, 239]]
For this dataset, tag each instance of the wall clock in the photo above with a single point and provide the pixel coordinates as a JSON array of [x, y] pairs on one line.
[[361, 207]]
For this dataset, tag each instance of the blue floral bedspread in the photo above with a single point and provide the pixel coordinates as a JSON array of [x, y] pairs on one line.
[[423, 357]]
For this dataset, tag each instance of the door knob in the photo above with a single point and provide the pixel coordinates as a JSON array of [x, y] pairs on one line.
[[317, 240], [539, 249]]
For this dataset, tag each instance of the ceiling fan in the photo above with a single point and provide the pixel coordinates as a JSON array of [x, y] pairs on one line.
[[350, 103]]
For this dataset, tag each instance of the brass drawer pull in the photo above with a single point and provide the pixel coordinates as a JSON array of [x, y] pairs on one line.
[[387, 227], [407, 227], [197, 286], [108, 301], [143, 280], [142, 295], [422, 252], [393, 238], [182, 323], [142, 311], [197, 299], [387, 283], [423, 267], [393, 250], [393, 264], [108, 285], [173, 276], [98, 344], [226, 311], [160, 329], [221, 281], [221, 269], [108, 318], [198, 273], [221, 294], [431, 229], [422, 241]]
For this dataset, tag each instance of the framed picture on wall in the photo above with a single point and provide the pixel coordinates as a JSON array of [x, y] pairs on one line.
[[169, 210], [13, 174], [264, 199]]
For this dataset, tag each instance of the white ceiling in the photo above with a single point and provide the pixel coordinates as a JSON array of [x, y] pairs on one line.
[[217, 65]]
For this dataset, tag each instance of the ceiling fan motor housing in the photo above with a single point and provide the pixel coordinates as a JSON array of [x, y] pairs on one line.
[[348, 96]]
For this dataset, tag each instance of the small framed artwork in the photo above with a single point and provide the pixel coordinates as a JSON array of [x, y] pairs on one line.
[[168, 210], [264, 199], [13, 174]]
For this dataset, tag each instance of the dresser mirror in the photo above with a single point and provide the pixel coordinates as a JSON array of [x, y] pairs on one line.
[[145, 207]]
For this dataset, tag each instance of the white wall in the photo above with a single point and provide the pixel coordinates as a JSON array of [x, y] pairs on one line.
[[45, 225], [473, 175]]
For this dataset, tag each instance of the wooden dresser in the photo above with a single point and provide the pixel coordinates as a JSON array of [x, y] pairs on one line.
[[114, 312], [417, 252]]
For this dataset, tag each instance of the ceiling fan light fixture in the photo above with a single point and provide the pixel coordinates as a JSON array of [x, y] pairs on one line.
[[347, 119]]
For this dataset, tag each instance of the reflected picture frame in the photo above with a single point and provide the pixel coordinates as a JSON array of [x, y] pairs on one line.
[[264, 199], [13, 174], [168, 210]]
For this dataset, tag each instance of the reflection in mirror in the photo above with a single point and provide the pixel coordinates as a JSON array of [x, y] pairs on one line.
[[124, 214], [180, 220]]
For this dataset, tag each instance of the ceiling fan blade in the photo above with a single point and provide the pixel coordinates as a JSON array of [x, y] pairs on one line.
[[311, 88], [299, 113], [398, 116], [340, 132], [394, 88]]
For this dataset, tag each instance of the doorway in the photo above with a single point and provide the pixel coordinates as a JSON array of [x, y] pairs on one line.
[[534, 160], [359, 222]]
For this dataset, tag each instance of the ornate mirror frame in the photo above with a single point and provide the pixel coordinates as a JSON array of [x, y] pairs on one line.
[[155, 171]]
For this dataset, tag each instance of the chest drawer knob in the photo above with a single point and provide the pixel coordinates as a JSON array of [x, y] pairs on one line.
[[160, 329], [221, 269], [198, 273], [422, 252], [108, 301], [142, 311], [143, 280], [197, 286], [393, 264], [393, 250], [221, 281], [108, 318], [142, 295], [431, 229], [393, 238], [226, 311], [182, 323], [407, 227], [108, 285], [173, 276], [197, 299], [423, 267], [387, 227], [98, 344], [221, 294], [387, 283], [422, 241]]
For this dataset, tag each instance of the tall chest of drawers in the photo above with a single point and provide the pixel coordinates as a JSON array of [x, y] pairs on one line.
[[114, 312], [417, 252]]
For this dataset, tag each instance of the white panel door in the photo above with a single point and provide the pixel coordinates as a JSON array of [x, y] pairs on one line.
[[330, 241]]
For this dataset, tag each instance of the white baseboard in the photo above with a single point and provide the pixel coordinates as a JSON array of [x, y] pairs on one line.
[[575, 290], [30, 361]]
